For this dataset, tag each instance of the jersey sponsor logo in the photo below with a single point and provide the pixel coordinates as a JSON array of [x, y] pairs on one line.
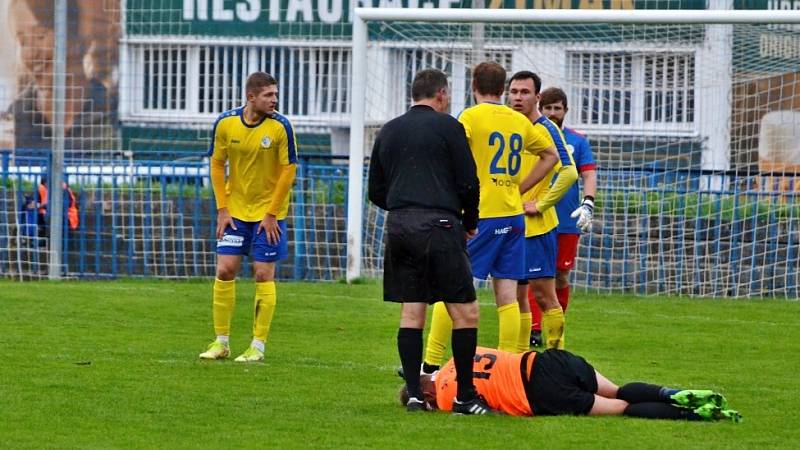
[[235, 141], [504, 230], [266, 142], [506, 183], [229, 240]]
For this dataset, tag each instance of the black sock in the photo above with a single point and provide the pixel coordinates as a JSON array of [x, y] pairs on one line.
[[429, 368], [409, 345], [643, 392], [464, 342], [659, 410]]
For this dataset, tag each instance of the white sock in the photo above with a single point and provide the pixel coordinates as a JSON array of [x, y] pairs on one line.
[[258, 344], [223, 340]]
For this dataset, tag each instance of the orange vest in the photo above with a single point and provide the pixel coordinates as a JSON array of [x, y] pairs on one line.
[[42, 199], [496, 375], [72, 211]]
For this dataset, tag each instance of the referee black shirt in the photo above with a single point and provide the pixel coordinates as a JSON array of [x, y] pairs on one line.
[[422, 160]]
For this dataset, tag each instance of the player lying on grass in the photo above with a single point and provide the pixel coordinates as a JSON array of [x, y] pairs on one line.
[[556, 382]]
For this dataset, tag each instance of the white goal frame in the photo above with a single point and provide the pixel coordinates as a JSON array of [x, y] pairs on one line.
[[355, 192]]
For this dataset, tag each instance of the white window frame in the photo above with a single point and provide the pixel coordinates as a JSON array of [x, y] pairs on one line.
[[309, 106], [638, 88]]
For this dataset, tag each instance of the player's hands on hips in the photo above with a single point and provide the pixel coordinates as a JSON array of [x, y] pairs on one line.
[[224, 220], [269, 224], [530, 207], [585, 214], [469, 234]]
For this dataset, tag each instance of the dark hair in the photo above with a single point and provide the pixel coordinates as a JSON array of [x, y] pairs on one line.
[[428, 387], [427, 83], [528, 75], [259, 80], [553, 95], [489, 78]]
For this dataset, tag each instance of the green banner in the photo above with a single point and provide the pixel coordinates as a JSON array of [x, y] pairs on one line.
[[317, 18]]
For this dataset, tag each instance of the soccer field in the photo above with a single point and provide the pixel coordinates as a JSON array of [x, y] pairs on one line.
[[114, 365]]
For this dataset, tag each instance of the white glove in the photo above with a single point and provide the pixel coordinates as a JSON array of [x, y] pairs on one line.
[[585, 214]]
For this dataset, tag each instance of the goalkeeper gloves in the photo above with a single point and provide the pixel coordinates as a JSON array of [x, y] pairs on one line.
[[585, 213]]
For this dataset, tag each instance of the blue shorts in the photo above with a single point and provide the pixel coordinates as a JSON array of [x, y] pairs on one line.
[[540, 255], [499, 248], [239, 241]]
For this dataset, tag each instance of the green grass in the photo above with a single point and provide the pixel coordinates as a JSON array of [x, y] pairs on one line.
[[114, 365]]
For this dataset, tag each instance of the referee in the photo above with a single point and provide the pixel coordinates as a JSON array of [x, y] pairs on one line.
[[423, 173]]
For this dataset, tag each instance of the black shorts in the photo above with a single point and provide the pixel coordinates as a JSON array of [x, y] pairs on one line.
[[426, 258], [562, 383]]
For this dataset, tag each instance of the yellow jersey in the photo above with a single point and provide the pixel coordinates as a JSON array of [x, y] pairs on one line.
[[255, 153], [497, 136], [547, 219]]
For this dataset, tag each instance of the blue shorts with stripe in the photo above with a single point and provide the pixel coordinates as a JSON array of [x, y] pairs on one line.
[[240, 240], [499, 248], [540, 255]]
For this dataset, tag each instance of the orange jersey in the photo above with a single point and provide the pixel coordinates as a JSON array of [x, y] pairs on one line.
[[497, 377]]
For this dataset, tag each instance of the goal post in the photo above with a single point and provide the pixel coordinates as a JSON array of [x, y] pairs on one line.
[[638, 82]]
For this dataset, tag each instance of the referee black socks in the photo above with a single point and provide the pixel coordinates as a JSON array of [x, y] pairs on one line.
[[409, 345], [464, 340]]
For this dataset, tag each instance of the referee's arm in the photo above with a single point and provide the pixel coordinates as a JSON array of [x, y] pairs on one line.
[[466, 178], [376, 186]]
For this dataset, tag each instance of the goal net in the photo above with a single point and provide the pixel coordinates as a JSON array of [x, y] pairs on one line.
[[694, 126]]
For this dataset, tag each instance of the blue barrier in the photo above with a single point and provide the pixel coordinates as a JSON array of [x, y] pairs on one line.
[[155, 217]]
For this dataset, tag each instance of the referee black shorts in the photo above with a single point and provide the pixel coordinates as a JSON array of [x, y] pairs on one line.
[[562, 384], [426, 258]]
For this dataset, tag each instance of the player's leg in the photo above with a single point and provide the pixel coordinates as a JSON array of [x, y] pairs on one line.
[[607, 406], [523, 341], [536, 319], [465, 341], [605, 387], [542, 278], [565, 262], [223, 302], [450, 278], [508, 266], [405, 281], [230, 249], [438, 336], [409, 347], [265, 257], [638, 392], [508, 318], [552, 315], [562, 289]]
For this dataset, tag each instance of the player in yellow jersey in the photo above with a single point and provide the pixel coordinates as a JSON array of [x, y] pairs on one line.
[[260, 149], [498, 136], [541, 217]]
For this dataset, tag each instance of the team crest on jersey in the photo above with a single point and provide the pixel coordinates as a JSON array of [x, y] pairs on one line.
[[265, 142]]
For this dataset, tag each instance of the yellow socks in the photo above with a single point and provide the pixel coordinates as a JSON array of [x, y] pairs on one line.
[[508, 324], [553, 328], [439, 335], [524, 342], [264, 309], [224, 298]]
